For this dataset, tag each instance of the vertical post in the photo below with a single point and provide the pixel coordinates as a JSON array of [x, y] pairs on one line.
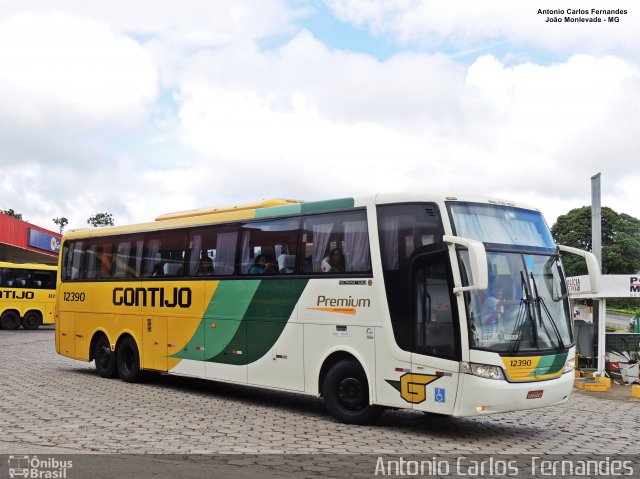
[[596, 219], [596, 249], [602, 335]]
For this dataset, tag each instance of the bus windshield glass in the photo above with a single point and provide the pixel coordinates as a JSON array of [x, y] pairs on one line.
[[525, 307], [502, 225]]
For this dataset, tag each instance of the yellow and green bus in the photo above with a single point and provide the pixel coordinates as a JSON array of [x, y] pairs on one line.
[[444, 304], [27, 295]]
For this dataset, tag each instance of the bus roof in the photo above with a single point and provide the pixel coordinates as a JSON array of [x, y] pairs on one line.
[[227, 209], [47, 267], [273, 208], [262, 209]]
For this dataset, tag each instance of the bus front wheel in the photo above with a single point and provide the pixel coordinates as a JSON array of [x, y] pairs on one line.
[[32, 320], [9, 320], [104, 358], [128, 361], [346, 394]]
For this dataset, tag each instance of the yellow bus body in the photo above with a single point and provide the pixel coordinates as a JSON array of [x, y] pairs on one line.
[[159, 332]]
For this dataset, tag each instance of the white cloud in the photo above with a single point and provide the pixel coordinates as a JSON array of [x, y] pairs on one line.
[[378, 126], [469, 23], [58, 67], [179, 22], [234, 122]]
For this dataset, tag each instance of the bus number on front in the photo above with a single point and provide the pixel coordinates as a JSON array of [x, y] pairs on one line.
[[521, 363]]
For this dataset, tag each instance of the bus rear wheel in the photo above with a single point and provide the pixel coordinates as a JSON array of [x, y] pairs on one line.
[[9, 320], [128, 361], [346, 394], [32, 320], [104, 358]]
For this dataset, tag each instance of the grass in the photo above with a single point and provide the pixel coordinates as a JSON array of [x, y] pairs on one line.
[[631, 312]]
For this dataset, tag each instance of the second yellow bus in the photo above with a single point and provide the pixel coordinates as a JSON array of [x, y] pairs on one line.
[[27, 295]]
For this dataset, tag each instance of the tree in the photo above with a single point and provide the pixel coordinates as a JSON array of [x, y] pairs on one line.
[[12, 213], [61, 222], [101, 219], [620, 240]]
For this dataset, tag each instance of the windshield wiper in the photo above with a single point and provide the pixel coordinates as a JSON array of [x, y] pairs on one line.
[[524, 314], [540, 302]]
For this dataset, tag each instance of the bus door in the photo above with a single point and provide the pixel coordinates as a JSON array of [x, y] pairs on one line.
[[436, 349]]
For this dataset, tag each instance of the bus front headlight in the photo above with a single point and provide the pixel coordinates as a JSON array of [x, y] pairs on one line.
[[569, 366], [486, 371]]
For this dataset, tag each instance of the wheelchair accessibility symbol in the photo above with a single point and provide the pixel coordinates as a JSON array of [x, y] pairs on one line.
[[440, 395]]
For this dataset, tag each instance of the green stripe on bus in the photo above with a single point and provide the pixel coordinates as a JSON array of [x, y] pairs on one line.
[[328, 205], [222, 318], [278, 211], [264, 321], [311, 207], [549, 364]]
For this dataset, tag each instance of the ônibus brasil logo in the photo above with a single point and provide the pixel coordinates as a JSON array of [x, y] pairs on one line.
[[35, 468]]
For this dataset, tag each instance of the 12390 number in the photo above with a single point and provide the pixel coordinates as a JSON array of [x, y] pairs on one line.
[[73, 296]]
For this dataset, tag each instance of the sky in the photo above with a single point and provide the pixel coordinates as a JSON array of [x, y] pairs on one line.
[[139, 107]]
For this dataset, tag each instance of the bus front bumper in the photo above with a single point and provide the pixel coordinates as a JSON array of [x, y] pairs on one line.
[[487, 396]]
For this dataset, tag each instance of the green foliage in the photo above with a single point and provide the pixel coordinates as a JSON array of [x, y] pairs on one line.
[[101, 219], [12, 213], [61, 222], [620, 240]]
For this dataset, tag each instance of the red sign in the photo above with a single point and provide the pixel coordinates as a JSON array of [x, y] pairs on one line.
[[537, 394]]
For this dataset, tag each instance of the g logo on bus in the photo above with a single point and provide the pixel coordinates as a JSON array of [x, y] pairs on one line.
[[413, 387]]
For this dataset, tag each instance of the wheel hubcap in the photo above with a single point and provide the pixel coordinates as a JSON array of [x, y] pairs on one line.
[[351, 394]]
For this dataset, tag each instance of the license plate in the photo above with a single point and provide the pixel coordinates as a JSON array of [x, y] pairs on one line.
[[535, 394]]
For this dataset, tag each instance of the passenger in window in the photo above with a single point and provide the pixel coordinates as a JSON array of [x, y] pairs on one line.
[[205, 267], [494, 306], [334, 263], [263, 264], [158, 270]]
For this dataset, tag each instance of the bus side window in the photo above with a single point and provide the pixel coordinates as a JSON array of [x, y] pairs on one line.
[[128, 258], [165, 253], [344, 231], [75, 257], [275, 240], [215, 247]]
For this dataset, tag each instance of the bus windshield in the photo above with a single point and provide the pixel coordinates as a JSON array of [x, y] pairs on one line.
[[502, 225], [525, 307]]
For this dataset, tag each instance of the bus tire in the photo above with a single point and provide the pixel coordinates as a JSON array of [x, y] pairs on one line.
[[346, 394], [104, 358], [10, 320], [31, 320], [128, 361]]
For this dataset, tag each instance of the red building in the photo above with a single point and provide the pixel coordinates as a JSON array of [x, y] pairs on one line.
[[22, 242]]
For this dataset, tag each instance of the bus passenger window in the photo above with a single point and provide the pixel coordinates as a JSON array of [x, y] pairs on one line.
[[269, 247], [128, 258], [336, 243], [164, 253], [212, 250]]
